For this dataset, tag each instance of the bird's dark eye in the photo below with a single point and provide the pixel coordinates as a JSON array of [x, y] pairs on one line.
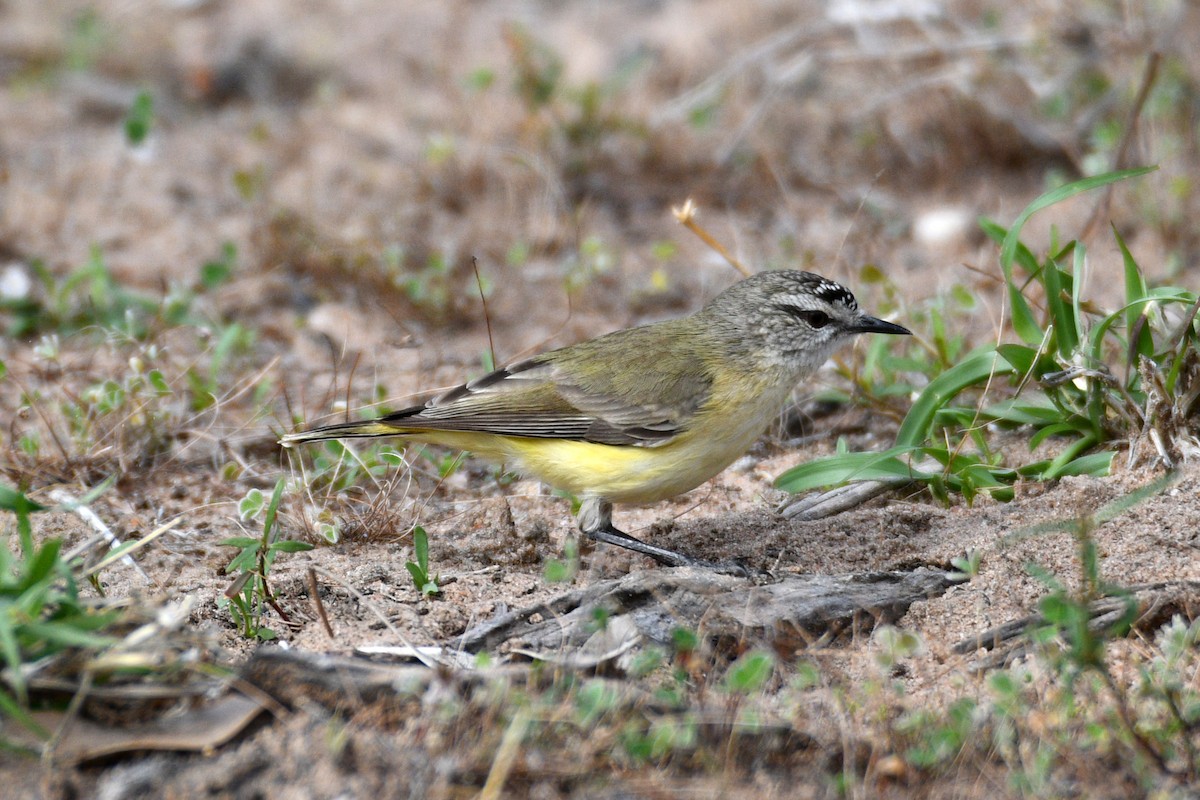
[[814, 318]]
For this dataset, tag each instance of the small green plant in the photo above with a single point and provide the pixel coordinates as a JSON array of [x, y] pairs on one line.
[[219, 270], [139, 119], [937, 738], [91, 297], [565, 569], [41, 612], [426, 583], [1067, 613], [894, 645], [654, 740], [134, 411], [579, 118], [205, 384], [1151, 725], [966, 566], [750, 673], [248, 596], [1088, 378]]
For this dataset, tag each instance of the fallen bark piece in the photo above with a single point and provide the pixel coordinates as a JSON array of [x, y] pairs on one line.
[[794, 612], [201, 729], [1144, 608]]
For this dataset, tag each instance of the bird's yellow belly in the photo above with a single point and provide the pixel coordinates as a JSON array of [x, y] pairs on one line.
[[627, 474], [619, 473]]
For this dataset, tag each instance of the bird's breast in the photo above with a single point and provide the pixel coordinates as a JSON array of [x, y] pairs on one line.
[[736, 414]]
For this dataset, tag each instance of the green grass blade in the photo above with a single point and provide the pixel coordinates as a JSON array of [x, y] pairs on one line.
[[67, 635], [11, 650], [1009, 248], [1135, 292], [1078, 268], [10, 707], [1114, 508], [272, 509], [39, 567], [1024, 322], [421, 547], [1066, 334], [1058, 465], [418, 574], [1097, 465], [973, 370], [844, 467]]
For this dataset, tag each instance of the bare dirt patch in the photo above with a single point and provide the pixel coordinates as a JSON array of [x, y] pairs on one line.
[[348, 162]]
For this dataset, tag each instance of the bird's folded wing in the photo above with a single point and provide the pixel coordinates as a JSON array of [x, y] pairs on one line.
[[535, 398]]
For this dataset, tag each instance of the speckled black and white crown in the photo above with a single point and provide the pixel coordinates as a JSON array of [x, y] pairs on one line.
[[829, 291]]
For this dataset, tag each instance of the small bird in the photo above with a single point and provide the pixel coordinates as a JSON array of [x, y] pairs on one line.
[[642, 414]]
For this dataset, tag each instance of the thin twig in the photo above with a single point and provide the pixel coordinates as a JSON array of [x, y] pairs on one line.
[[87, 515], [1120, 157], [487, 320], [314, 594], [506, 756], [417, 652], [686, 216]]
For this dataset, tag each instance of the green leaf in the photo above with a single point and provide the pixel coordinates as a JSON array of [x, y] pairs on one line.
[[1023, 320], [17, 502], [555, 571], [242, 562], [684, 640], [418, 575], [139, 118], [216, 272], [975, 369], [250, 505], [158, 382], [11, 650], [750, 672], [845, 467], [41, 565], [1141, 342], [1013, 238], [1069, 455], [1061, 315], [290, 546], [273, 508], [1077, 280], [1055, 429], [421, 547], [1024, 412], [68, 635], [239, 541], [1019, 357]]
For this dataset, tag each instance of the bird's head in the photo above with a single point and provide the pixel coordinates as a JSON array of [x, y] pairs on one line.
[[790, 319]]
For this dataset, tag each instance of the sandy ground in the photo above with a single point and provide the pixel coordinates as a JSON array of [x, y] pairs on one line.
[[357, 156]]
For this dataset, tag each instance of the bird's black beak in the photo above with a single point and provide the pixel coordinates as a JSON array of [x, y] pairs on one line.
[[865, 324]]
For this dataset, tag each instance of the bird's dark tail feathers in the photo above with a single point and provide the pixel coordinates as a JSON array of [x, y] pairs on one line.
[[345, 430]]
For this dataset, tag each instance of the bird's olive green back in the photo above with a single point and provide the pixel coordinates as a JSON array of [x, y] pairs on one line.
[[636, 386]]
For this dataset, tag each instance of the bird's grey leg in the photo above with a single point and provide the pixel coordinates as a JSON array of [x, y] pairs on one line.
[[595, 520]]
